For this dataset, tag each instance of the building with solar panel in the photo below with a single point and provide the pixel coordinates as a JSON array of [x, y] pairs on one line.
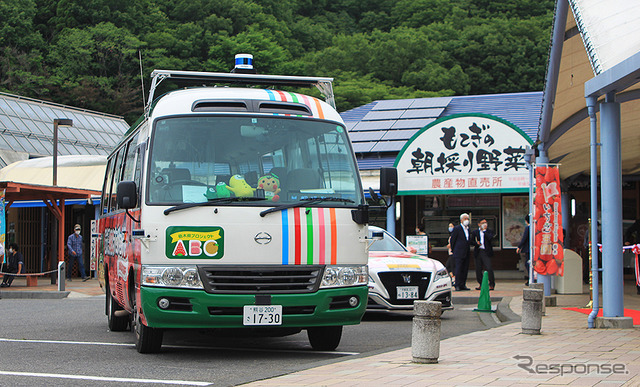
[[26, 149], [453, 155]]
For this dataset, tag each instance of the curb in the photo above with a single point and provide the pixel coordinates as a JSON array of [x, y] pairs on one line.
[[43, 295], [504, 312], [469, 300]]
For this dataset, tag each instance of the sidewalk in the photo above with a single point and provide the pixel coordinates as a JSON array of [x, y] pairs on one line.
[[74, 288], [562, 354]]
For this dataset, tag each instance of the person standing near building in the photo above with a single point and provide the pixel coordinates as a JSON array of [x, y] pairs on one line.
[[15, 261], [74, 246], [523, 248], [450, 265], [483, 251], [460, 247]]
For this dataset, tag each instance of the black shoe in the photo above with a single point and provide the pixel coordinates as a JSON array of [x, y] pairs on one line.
[[3, 285], [85, 279], [69, 279]]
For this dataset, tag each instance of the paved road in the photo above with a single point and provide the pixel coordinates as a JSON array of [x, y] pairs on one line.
[[66, 342]]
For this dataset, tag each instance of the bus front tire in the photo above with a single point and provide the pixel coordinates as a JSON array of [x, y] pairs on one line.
[[325, 338], [117, 323], [148, 340]]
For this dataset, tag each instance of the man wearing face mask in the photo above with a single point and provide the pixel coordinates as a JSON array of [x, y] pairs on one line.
[[483, 251], [74, 246], [460, 239], [15, 261]]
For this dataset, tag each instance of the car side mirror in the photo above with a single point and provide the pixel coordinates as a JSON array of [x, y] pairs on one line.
[[388, 181], [127, 194], [412, 250]]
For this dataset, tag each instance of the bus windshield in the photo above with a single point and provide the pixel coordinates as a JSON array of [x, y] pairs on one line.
[[197, 159]]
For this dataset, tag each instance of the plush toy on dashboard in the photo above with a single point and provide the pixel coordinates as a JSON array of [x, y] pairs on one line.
[[239, 187], [219, 191], [271, 186]]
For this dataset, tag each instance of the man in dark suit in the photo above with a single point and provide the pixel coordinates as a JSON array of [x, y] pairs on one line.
[[460, 247], [483, 251]]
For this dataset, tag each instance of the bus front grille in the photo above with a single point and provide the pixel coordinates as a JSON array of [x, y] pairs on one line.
[[260, 279]]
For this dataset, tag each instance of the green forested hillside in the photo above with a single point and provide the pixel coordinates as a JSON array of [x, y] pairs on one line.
[[85, 52]]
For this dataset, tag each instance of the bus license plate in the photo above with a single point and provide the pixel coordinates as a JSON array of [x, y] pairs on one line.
[[262, 315], [407, 292]]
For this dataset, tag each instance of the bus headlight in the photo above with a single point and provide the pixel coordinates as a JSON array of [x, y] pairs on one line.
[[171, 276], [337, 276]]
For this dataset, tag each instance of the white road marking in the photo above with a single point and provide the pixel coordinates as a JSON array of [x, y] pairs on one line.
[[106, 379], [66, 342], [180, 346]]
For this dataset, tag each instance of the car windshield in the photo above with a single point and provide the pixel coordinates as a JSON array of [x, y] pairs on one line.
[[387, 243], [284, 160]]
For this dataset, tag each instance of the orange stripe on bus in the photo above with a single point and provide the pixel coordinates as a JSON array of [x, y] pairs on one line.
[[319, 107]]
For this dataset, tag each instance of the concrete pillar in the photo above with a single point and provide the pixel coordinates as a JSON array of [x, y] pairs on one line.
[[540, 286], [532, 311], [611, 189], [425, 335]]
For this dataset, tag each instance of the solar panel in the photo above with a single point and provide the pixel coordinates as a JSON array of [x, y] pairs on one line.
[[422, 113], [388, 146], [383, 115], [399, 134], [430, 102], [362, 146], [412, 124], [373, 125], [394, 104], [365, 136]]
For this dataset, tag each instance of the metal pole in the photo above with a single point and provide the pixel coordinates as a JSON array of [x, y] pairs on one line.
[[595, 286], [55, 152], [611, 189], [531, 218]]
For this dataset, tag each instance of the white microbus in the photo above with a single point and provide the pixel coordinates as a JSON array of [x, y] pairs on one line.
[[229, 207]]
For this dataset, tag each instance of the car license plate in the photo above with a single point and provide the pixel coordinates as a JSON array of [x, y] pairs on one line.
[[262, 315], [407, 292]]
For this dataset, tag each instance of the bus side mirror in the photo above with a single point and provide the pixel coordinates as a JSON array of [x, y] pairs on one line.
[[388, 181], [127, 195]]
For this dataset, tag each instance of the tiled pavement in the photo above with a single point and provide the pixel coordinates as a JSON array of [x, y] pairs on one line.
[[565, 354]]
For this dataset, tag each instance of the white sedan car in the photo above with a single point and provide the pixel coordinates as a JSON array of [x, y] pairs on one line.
[[398, 276]]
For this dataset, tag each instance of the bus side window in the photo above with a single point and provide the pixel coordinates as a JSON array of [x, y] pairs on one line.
[[137, 172], [108, 177], [129, 161], [117, 175]]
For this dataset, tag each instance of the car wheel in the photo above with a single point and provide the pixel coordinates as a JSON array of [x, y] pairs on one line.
[[148, 340], [117, 322], [325, 338]]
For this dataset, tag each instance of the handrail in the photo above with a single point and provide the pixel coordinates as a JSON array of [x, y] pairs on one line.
[[323, 84]]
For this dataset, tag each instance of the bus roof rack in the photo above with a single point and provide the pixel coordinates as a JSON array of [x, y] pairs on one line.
[[323, 84]]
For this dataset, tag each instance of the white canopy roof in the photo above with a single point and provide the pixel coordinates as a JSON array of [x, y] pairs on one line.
[[77, 171]]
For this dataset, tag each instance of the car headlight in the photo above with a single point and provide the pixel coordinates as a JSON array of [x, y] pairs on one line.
[[337, 276], [171, 276], [440, 274]]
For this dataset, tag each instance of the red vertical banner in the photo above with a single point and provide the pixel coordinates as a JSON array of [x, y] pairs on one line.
[[548, 253]]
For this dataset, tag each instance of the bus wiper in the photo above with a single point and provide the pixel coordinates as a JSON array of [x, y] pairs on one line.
[[304, 202], [211, 202]]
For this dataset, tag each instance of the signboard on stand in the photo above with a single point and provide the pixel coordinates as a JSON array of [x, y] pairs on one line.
[[418, 242]]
